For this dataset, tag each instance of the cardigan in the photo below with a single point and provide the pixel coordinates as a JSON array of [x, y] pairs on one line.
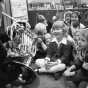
[[64, 52]]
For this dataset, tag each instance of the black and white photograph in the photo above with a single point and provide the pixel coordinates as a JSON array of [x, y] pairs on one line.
[[43, 43]]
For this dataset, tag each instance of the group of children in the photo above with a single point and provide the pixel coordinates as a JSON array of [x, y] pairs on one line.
[[64, 49]]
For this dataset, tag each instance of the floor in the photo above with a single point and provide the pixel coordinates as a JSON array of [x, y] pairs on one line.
[[46, 81]]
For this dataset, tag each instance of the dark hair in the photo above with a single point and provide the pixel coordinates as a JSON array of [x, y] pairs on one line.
[[22, 23], [4, 37], [1, 0], [86, 58], [41, 18]]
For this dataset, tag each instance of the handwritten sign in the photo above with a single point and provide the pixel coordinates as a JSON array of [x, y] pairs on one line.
[[19, 9]]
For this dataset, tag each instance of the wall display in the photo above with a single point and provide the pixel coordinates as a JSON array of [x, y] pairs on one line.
[[19, 9]]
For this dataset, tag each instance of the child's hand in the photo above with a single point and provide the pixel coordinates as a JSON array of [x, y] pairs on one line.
[[70, 71], [58, 61], [50, 64], [67, 73], [40, 40], [47, 59]]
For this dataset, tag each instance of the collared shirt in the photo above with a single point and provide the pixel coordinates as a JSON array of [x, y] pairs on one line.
[[60, 50], [64, 40]]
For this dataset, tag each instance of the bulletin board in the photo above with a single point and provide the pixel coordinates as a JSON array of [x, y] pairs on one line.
[[19, 9]]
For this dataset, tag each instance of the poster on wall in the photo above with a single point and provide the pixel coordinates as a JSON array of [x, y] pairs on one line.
[[19, 9]]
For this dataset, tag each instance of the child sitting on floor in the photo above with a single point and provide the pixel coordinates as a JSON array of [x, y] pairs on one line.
[[40, 31], [44, 45], [78, 72], [59, 50]]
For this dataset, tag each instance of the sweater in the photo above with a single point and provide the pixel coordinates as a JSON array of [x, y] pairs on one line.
[[64, 52]]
